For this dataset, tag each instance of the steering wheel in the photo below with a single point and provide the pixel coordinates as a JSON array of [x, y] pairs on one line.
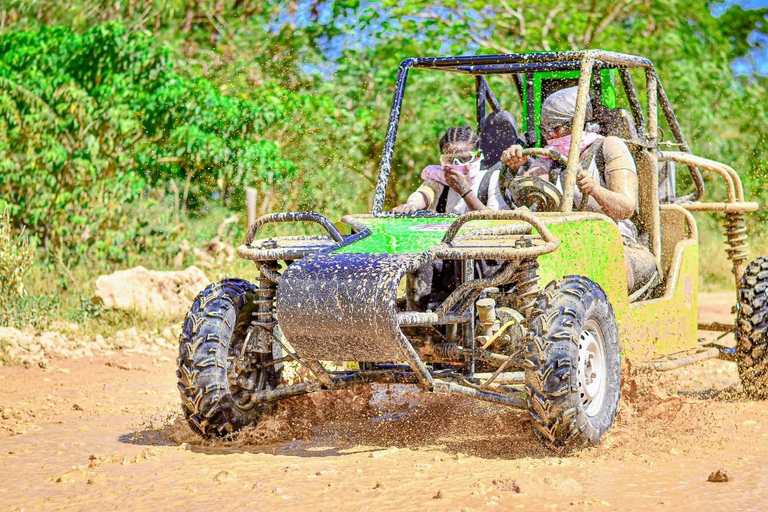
[[535, 193]]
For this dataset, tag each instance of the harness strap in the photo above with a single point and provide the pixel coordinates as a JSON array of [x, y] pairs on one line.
[[482, 193], [594, 152], [442, 201]]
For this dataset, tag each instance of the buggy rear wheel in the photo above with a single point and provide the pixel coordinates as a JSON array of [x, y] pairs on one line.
[[573, 364], [752, 329], [216, 370]]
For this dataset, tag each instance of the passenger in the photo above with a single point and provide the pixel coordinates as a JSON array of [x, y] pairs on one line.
[[610, 179], [457, 185]]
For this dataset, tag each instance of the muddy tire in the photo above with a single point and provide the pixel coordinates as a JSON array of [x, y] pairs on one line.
[[752, 329], [212, 336], [573, 364]]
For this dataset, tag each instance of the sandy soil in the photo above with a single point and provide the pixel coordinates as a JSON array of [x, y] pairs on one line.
[[103, 433]]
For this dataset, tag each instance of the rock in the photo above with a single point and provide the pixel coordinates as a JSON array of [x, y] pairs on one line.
[[223, 476], [76, 474], [128, 338], [719, 476], [100, 342], [150, 292], [438, 496], [512, 487], [601, 503]]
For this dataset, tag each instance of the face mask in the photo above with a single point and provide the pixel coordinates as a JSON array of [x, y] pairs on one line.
[[563, 144]]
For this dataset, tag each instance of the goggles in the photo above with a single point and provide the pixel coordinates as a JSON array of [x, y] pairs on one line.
[[460, 158]]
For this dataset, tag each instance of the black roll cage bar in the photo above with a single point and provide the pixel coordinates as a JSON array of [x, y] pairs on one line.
[[522, 66]]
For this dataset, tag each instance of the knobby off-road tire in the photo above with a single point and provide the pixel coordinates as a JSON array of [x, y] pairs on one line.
[[573, 364], [211, 340], [752, 329]]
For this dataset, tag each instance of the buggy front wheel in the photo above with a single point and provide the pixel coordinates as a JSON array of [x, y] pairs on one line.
[[573, 364], [218, 369]]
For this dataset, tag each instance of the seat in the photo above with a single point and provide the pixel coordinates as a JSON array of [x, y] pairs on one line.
[[498, 131], [617, 122]]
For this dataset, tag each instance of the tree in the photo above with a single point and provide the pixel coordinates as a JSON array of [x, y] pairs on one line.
[[87, 121]]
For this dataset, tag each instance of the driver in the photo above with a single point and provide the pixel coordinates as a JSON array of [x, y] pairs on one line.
[[610, 179]]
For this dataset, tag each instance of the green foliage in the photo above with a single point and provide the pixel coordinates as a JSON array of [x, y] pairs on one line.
[[693, 51], [88, 121]]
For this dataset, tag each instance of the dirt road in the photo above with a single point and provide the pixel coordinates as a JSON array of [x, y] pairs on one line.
[[102, 433]]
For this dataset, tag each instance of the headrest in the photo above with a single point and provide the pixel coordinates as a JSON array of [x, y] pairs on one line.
[[498, 131]]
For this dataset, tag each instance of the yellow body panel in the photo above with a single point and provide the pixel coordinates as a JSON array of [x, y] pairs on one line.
[[668, 324]]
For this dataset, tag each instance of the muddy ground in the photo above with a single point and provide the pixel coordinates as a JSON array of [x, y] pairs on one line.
[[103, 433]]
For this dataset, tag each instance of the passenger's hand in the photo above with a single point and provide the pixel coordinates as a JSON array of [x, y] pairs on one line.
[[513, 157], [587, 184], [405, 208], [456, 180]]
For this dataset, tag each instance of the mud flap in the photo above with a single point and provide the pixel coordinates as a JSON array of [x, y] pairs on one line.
[[342, 307]]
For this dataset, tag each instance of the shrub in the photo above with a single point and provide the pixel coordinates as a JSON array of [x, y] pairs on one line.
[[88, 122], [16, 257]]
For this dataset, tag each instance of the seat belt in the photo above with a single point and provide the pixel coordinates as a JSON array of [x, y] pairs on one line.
[[442, 201], [482, 193]]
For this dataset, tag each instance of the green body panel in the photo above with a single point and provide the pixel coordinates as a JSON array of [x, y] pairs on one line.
[[591, 248], [607, 92], [407, 235]]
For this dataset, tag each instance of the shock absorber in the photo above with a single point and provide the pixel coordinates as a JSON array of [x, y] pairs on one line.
[[525, 284], [263, 317], [736, 237]]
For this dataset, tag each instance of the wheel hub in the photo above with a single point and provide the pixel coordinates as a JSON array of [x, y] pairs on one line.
[[591, 368]]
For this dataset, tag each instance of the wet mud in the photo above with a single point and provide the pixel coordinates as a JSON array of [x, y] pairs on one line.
[[104, 433]]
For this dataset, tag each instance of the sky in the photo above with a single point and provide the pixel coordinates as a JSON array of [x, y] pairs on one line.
[[756, 61]]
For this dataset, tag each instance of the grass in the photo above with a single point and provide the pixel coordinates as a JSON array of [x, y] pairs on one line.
[[58, 293]]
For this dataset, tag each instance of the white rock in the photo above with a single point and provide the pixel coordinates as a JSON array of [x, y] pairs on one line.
[[149, 292]]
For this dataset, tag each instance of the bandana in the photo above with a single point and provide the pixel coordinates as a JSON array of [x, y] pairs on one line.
[[563, 144]]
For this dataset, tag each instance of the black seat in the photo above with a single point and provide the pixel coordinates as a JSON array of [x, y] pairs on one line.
[[498, 131]]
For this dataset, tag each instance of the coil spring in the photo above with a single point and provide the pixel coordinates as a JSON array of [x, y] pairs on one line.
[[525, 286], [263, 317], [448, 351], [736, 237]]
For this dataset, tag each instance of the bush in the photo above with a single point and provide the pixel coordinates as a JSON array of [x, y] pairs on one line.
[[89, 122], [16, 257]]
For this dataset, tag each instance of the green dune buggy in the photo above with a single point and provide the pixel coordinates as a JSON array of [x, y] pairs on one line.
[[546, 334]]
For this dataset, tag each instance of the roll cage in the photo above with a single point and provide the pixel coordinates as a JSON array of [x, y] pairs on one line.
[[524, 66]]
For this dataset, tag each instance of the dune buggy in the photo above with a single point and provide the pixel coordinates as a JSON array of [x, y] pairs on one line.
[[546, 334]]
